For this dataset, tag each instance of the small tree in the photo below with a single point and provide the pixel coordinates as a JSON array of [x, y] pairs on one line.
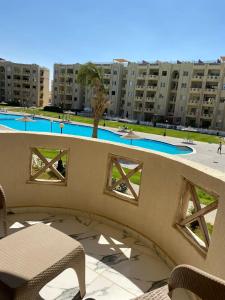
[[90, 75]]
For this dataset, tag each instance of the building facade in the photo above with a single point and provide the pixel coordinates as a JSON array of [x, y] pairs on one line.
[[24, 84], [186, 93]]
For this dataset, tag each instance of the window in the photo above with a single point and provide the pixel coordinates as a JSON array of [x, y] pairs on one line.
[[75, 99], [114, 82], [113, 93], [184, 85], [181, 109], [128, 104], [114, 72], [160, 96], [163, 84], [185, 73], [222, 100], [164, 73]]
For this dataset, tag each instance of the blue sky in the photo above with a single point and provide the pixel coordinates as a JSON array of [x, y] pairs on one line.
[[69, 31]]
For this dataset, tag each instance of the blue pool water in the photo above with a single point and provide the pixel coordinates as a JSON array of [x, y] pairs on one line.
[[44, 125]]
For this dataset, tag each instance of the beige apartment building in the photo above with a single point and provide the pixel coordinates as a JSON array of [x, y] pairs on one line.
[[24, 84], [68, 94], [186, 93]]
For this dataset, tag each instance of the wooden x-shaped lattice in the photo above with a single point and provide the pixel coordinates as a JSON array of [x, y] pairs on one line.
[[199, 213], [124, 177], [48, 164]]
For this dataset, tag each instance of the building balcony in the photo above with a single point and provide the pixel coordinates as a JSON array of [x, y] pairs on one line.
[[156, 77], [152, 87], [210, 103], [138, 98], [211, 90], [193, 102], [141, 76], [150, 99], [149, 110], [191, 114], [140, 87], [131, 240], [138, 109], [197, 77], [213, 77], [195, 89], [206, 116]]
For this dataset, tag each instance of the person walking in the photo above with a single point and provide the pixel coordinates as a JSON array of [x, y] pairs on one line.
[[220, 147]]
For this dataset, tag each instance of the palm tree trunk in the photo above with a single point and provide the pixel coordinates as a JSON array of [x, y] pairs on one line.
[[95, 128]]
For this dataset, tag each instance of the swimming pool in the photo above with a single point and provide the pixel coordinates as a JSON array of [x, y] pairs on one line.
[[45, 125]]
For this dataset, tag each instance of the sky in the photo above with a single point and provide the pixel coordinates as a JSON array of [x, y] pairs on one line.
[[70, 31]]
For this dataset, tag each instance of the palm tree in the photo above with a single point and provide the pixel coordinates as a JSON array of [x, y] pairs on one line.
[[90, 75]]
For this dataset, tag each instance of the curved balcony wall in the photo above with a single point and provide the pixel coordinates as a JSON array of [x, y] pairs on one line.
[[154, 215]]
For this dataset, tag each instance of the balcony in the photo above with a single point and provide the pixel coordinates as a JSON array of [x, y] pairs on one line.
[[191, 114], [152, 87], [150, 99], [131, 244], [209, 103], [141, 76], [138, 98], [156, 77], [140, 87], [138, 109], [193, 102], [195, 89], [213, 77], [149, 110], [197, 77], [206, 116], [212, 90]]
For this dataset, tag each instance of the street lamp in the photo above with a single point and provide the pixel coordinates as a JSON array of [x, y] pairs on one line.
[[165, 128], [51, 122], [61, 125]]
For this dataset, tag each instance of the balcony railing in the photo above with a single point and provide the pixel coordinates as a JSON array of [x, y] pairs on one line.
[[150, 99], [165, 194], [149, 110], [138, 98], [194, 102], [152, 87], [198, 77], [195, 89], [140, 87], [213, 77], [206, 116]]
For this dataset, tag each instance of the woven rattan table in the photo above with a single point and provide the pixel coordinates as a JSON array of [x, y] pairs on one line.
[[31, 257]]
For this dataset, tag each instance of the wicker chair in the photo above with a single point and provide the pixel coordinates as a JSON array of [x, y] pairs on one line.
[[33, 256], [202, 284]]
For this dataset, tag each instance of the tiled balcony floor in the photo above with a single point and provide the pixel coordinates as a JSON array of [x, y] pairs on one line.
[[117, 265]]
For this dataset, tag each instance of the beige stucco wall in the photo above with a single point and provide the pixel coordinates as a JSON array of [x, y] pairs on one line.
[[153, 217]]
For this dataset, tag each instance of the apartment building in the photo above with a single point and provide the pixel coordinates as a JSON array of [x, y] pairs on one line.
[[186, 93], [68, 94], [182, 93], [24, 84]]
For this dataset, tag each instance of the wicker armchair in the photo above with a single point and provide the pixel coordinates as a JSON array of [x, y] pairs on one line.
[[202, 284]]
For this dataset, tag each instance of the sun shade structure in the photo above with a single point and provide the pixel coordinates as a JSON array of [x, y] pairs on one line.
[[131, 136], [25, 120]]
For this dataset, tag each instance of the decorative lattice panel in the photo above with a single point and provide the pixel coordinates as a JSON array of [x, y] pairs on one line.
[[48, 165], [124, 177], [197, 214]]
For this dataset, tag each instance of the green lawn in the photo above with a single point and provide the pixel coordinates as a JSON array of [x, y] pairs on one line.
[[140, 128], [204, 197], [136, 178]]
